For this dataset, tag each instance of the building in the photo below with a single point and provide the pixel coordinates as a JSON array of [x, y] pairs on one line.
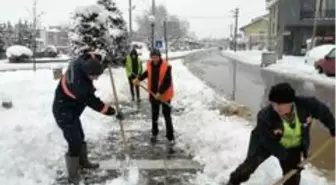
[[255, 32], [56, 36], [291, 24]]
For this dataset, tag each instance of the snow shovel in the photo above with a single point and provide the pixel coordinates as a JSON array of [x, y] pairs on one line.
[[304, 162], [126, 152]]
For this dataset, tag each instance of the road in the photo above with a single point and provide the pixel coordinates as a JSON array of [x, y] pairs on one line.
[[252, 86]]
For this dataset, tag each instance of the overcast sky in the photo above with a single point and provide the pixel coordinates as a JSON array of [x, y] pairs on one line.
[[208, 18]]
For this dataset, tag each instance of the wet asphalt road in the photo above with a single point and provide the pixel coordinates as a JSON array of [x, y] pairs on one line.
[[252, 86]]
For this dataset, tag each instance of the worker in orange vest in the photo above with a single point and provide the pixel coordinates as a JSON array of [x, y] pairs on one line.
[[161, 85]]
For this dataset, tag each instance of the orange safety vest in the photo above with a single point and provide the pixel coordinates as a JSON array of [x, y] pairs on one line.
[[168, 95]]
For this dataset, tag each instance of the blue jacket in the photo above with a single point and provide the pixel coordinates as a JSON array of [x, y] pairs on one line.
[[74, 92]]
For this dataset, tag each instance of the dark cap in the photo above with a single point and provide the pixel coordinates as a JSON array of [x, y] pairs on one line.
[[155, 52], [281, 93], [92, 66], [134, 52]]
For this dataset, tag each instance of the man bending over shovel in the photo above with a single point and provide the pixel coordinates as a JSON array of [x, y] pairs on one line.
[[282, 130], [74, 92]]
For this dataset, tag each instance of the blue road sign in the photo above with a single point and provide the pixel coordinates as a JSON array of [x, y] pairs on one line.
[[158, 44]]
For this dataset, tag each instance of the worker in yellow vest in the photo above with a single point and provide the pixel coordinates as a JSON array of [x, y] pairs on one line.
[[282, 130], [133, 70]]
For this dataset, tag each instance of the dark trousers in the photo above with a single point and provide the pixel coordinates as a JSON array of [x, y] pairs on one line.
[[251, 163], [74, 135], [132, 86], [166, 111]]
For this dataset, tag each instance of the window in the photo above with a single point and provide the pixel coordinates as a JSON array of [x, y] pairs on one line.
[[330, 4], [307, 8], [308, 5], [332, 54], [327, 8]]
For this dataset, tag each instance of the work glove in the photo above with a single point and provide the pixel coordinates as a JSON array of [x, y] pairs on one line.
[[332, 132], [120, 116], [277, 134], [158, 96], [136, 82]]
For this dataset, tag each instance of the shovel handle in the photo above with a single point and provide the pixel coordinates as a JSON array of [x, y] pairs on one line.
[[143, 87], [304, 162]]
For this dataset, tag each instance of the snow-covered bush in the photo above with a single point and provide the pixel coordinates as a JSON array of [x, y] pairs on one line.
[[50, 51], [18, 53]]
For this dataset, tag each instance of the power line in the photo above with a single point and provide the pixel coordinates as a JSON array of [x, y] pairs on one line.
[[204, 17]]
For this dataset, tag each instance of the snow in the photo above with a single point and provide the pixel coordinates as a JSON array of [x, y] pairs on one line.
[[55, 30], [218, 142], [114, 32], [18, 50], [52, 48], [318, 53], [295, 67], [250, 57], [291, 66], [89, 10], [33, 146]]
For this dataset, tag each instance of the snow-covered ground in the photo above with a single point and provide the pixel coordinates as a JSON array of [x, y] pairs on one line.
[[32, 146], [292, 66], [250, 57]]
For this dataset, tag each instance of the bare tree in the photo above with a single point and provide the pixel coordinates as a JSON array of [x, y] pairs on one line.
[[176, 27]]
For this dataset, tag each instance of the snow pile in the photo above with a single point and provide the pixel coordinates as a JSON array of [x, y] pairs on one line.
[[318, 53], [18, 50], [32, 146], [250, 57], [296, 68]]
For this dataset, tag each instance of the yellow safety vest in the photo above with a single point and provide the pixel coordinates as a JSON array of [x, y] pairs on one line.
[[129, 66], [291, 137]]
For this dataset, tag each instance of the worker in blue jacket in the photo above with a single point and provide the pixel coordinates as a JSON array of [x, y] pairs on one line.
[[282, 130], [74, 92]]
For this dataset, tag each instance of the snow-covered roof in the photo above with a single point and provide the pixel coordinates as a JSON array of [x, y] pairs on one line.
[[18, 50], [255, 20], [53, 30]]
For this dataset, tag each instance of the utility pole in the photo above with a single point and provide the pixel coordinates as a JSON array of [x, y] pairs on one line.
[[316, 17], [34, 34], [165, 37], [236, 15], [130, 20], [153, 24], [231, 31]]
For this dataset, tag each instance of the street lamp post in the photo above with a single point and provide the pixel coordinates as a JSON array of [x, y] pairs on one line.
[[152, 21]]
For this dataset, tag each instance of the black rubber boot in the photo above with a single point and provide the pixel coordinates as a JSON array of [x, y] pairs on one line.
[[72, 164], [84, 161], [153, 139]]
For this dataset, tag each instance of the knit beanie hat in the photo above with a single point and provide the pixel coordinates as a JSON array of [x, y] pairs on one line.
[[281, 93], [155, 52], [92, 66]]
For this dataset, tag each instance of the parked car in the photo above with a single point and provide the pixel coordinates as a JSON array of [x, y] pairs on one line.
[[326, 64], [317, 53]]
